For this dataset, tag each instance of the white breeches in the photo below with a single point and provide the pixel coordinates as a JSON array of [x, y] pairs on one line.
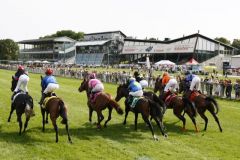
[[22, 82], [98, 88], [172, 85], [144, 83], [51, 87], [137, 93], [195, 83]]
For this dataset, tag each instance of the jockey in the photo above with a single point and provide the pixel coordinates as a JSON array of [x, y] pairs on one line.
[[165, 78], [135, 89], [94, 85], [194, 81], [22, 81], [171, 86], [49, 84], [139, 79]]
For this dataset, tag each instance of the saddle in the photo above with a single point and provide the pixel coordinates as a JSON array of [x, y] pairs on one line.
[[15, 95], [169, 98], [134, 101], [46, 101], [193, 95], [93, 96]]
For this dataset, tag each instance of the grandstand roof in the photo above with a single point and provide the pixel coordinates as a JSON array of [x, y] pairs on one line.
[[47, 40], [107, 33], [92, 43], [179, 39]]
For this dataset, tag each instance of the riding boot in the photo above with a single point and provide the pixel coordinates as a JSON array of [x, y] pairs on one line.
[[42, 99], [130, 99], [26, 93], [14, 93]]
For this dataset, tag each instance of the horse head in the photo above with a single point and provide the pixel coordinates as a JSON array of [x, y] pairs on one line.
[[122, 91], [158, 85], [83, 86], [14, 83]]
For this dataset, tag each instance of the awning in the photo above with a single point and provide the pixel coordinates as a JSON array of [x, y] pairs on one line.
[[192, 62]]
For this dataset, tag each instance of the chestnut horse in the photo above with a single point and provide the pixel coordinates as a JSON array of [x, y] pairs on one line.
[[102, 101], [23, 103], [178, 105], [146, 107], [202, 103], [55, 107]]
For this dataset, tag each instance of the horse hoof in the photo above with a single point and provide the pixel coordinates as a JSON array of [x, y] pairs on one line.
[[184, 129], [8, 121], [124, 123], [105, 126], [99, 126], [165, 135], [155, 138], [46, 122]]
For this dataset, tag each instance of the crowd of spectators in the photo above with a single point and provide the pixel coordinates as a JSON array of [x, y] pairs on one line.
[[210, 85]]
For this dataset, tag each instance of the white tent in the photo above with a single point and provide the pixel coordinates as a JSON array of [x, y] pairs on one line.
[[164, 62]]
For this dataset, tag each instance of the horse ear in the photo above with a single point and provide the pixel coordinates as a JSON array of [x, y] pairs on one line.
[[41, 77], [12, 77]]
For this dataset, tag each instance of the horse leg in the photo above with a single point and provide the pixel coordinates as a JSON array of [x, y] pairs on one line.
[[90, 113], [26, 123], [46, 118], [193, 120], [100, 118], [136, 118], [205, 119], [109, 116], [43, 119], [19, 119], [69, 138], [126, 114], [12, 109], [160, 125], [177, 114], [216, 118], [145, 118], [55, 127]]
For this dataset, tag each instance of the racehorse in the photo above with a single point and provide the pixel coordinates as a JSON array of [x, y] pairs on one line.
[[102, 101], [145, 106], [202, 103], [23, 103], [178, 104], [55, 107]]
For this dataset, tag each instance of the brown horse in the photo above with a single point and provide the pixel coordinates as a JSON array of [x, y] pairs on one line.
[[102, 101], [55, 107], [202, 103], [178, 105], [145, 106]]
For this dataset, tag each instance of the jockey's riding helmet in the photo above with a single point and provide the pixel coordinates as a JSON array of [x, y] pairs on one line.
[[92, 76], [49, 71], [20, 67]]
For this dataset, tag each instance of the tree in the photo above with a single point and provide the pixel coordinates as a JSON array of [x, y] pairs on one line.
[[68, 33], [236, 43], [223, 40], [8, 49]]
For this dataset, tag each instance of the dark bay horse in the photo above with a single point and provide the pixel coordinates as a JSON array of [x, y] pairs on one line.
[[102, 101], [202, 103], [55, 107], [178, 104], [146, 107], [23, 103]]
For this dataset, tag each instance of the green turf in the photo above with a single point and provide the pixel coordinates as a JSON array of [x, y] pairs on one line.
[[116, 141]]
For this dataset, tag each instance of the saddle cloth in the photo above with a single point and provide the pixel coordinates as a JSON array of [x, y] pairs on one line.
[[193, 95], [93, 97], [134, 101], [46, 101], [169, 98]]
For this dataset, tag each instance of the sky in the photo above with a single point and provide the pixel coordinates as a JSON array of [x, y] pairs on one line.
[[30, 19]]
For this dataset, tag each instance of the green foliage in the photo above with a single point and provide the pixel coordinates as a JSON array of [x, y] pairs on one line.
[[236, 43], [223, 40], [8, 50], [68, 33], [116, 141]]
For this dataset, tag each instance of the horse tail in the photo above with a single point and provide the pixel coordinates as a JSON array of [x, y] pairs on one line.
[[115, 105], [62, 111], [155, 109], [188, 103], [214, 102]]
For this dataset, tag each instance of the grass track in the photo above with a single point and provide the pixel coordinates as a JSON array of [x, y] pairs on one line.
[[116, 141]]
